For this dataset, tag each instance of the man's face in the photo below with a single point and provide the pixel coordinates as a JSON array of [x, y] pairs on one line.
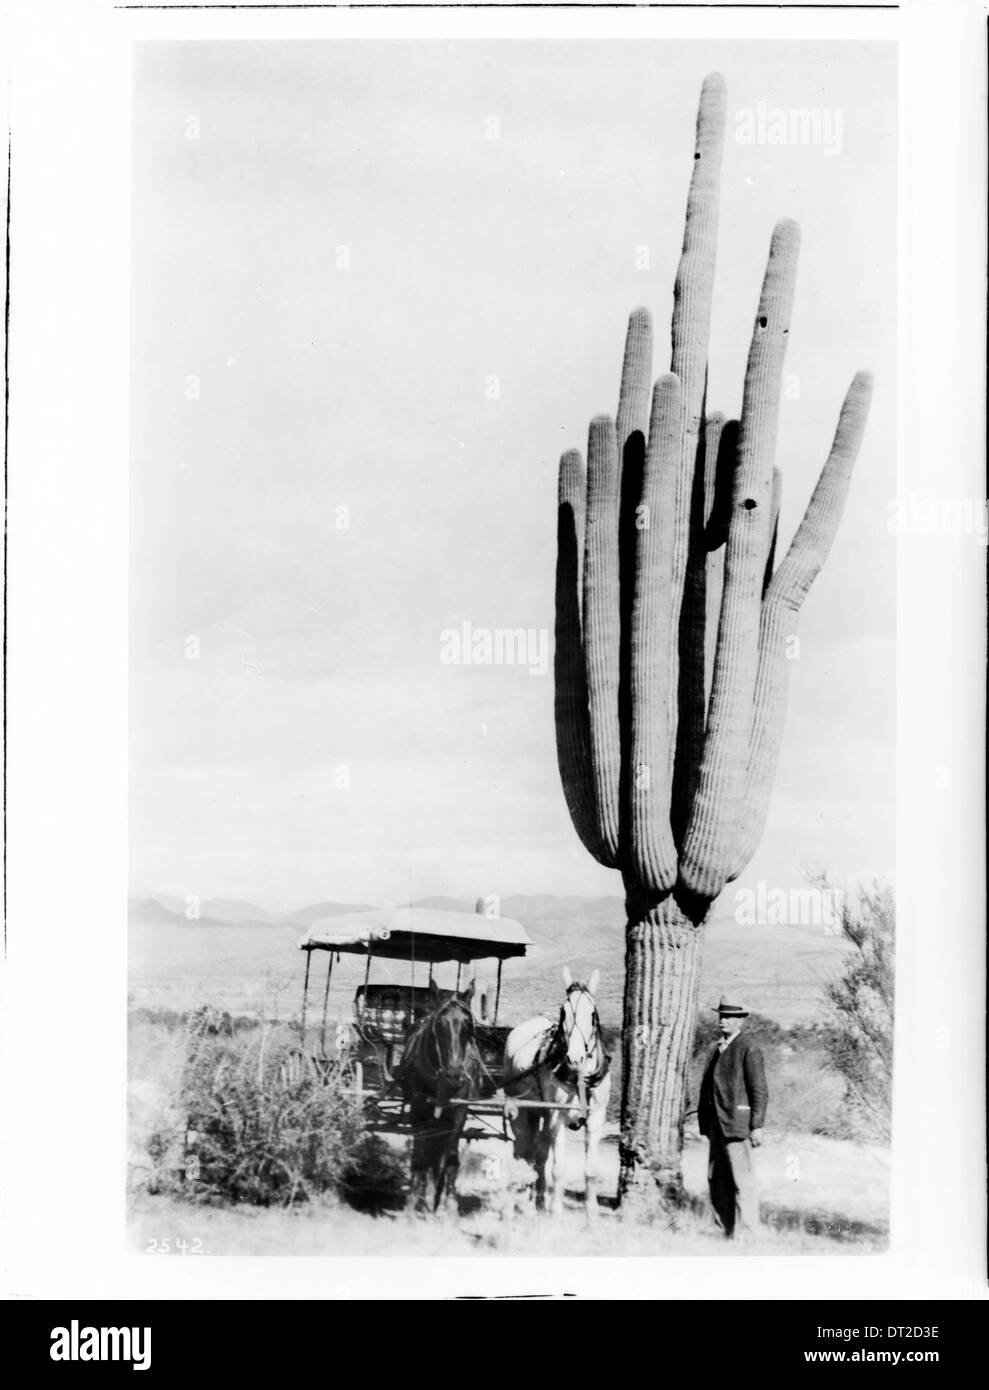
[[729, 1026]]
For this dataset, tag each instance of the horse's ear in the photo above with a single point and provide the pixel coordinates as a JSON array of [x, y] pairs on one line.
[[434, 990], [468, 994], [567, 977], [593, 982]]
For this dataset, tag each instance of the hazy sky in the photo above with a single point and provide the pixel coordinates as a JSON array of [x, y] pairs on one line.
[[332, 251]]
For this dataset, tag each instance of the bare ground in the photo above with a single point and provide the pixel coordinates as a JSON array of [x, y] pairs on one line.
[[820, 1196]]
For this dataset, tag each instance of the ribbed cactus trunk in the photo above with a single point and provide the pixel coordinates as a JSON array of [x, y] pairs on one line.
[[662, 970], [672, 623]]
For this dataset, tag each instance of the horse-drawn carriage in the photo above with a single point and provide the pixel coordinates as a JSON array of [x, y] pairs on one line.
[[436, 1064], [369, 1049]]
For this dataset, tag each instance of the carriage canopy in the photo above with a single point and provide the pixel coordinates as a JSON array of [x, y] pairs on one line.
[[419, 934]]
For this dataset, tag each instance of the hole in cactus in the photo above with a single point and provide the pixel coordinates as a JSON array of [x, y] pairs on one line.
[[749, 503], [697, 155], [763, 321]]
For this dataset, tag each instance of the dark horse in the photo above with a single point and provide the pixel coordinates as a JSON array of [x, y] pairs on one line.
[[441, 1063]]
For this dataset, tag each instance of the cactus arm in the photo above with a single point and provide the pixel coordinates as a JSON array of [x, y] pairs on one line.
[[633, 395], [573, 735], [781, 609], [692, 296], [815, 534], [653, 856], [694, 286], [708, 849], [631, 425], [601, 630]]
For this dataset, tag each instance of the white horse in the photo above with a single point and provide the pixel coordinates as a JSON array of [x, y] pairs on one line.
[[564, 1063]]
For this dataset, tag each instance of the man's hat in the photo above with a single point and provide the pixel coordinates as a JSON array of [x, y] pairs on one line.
[[731, 1010]]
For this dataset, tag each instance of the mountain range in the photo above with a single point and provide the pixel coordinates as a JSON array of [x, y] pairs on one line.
[[235, 948], [167, 909]]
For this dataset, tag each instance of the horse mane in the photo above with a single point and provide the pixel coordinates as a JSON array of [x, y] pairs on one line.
[[415, 1066], [415, 1045]]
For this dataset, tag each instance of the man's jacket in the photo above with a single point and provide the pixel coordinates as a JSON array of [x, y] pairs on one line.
[[733, 1093]]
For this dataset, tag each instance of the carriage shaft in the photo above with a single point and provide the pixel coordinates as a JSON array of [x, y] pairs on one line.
[[497, 1107]]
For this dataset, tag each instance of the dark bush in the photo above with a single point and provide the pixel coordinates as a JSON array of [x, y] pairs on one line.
[[261, 1124]]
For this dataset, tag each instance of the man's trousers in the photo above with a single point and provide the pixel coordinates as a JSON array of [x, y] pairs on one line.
[[734, 1184]]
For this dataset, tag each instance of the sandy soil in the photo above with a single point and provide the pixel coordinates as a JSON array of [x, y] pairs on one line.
[[803, 1177]]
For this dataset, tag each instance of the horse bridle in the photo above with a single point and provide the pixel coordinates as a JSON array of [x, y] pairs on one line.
[[595, 1043], [441, 1072]]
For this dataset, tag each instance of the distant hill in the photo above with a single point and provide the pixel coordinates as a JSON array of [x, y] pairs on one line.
[[779, 971], [171, 901], [233, 910], [307, 915], [213, 912], [443, 904], [150, 911], [546, 910], [166, 909]]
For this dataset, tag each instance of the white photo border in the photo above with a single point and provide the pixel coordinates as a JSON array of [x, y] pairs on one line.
[[64, 973]]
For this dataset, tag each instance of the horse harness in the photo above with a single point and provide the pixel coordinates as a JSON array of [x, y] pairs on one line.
[[553, 1053], [414, 1058]]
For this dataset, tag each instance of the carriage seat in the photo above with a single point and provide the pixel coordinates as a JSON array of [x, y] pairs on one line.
[[390, 1011], [491, 1039]]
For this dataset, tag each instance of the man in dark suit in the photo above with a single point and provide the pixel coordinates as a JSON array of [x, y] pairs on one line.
[[731, 1112]]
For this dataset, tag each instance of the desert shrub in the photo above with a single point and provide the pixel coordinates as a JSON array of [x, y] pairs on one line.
[[860, 1047], [806, 1096], [765, 1031], [249, 1121], [156, 1056]]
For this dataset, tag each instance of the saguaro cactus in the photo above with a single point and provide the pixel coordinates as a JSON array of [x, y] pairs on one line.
[[671, 633]]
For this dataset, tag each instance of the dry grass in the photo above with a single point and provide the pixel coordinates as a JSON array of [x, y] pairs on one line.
[[222, 1112], [337, 1230], [822, 1193]]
